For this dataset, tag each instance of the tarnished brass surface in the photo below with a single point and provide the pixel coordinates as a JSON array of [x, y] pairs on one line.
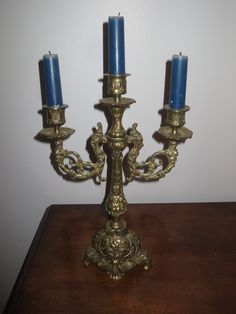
[[54, 119], [56, 133], [180, 134], [156, 166], [175, 117], [123, 102], [115, 249], [116, 86], [175, 120], [55, 116], [71, 164], [160, 163]]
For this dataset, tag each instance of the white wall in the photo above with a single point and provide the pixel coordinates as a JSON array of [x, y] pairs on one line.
[[155, 30]]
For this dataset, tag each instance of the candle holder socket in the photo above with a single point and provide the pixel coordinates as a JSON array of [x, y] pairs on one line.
[[54, 119], [55, 116], [116, 85], [175, 117], [175, 120]]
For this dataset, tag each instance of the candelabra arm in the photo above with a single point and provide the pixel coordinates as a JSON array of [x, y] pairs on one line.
[[156, 166], [71, 164]]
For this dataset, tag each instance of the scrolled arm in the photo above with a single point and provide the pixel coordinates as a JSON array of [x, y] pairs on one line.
[[71, 165], [156, 166]]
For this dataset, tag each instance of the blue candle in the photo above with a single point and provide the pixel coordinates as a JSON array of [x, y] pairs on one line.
[[116, 45], [178, 81], [52, 80]]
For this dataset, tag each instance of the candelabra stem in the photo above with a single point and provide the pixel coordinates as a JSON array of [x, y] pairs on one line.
[[115, 249], [116, 204]]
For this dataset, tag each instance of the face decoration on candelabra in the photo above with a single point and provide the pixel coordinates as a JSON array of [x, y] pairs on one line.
[[115, 249]]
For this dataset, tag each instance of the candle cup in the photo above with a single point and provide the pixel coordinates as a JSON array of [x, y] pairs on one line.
[[175, 120], [175, 117], [54, 119], [55, 116], [116, 86]]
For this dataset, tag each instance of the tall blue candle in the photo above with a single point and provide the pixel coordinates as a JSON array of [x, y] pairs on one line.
[[52, 80], [116, 45], [178, 81]]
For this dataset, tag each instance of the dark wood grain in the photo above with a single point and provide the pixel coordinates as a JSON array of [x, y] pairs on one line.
[[193, 247]]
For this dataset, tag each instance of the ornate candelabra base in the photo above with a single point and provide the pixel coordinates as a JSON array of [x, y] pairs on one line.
[[116, 251]]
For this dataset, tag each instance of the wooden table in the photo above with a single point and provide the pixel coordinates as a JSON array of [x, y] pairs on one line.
[[193, 247]]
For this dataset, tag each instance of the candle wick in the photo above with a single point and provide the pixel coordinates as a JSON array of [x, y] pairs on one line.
[[180, 53], [119, 14], [49, 52]]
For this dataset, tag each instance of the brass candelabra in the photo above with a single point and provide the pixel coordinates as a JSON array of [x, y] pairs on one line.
[[115, 249]]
